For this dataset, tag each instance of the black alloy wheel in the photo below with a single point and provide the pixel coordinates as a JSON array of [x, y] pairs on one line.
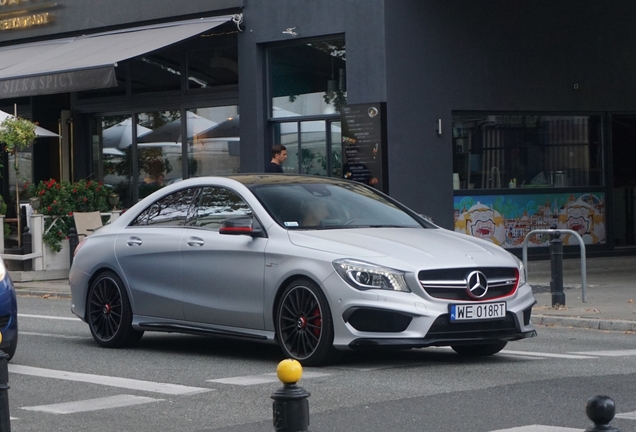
[[304, 326], [109, 313]]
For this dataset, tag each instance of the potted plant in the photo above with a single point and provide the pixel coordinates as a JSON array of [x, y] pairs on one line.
[[58, 201], [15, 134]]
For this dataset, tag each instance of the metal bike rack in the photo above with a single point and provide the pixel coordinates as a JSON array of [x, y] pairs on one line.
[[581, 245]]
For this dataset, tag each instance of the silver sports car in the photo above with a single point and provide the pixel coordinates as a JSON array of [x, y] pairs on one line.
[[315, 264]]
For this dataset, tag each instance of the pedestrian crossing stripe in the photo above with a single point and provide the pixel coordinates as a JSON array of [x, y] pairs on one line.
[[539, 428], [127, 383], [109, 402], [261, 379]]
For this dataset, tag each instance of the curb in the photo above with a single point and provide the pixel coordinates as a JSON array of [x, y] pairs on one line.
[[41, 293], [587, 323]]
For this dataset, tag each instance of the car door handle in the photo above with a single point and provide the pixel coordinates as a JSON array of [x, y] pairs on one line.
[[134, 241], [195, 241]]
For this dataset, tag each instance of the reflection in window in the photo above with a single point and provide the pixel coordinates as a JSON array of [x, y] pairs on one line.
[[310, 152], [116, 151], [217, 204], [308, 79], [213, 141], [501, 151], [158, 150], [172, 210], [287, 135], [336, 150]]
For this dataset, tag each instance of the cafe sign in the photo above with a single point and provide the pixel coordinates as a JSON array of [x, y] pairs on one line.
[[24, 14]]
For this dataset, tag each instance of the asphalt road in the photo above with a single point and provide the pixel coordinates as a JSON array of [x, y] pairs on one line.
[[62, 381]]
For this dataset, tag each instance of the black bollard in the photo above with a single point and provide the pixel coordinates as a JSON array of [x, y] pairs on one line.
[[73, 241], [27, 248], [291, 407], [601, 410], [5, 416], [556, 261]]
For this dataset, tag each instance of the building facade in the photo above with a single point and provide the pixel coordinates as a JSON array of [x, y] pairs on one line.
[[500, 117]]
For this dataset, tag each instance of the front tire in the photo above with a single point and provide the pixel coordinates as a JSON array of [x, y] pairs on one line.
[[110, 314], [480, 350], [304, 326]]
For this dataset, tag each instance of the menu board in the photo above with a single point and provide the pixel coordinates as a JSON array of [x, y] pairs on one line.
[[364, 144]]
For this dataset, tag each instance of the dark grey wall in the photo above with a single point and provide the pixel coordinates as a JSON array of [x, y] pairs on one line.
[[77, 15], [361, 20], [503, 55]]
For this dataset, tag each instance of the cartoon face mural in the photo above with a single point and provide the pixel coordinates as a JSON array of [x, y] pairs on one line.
[[482, 222], [581, 216]]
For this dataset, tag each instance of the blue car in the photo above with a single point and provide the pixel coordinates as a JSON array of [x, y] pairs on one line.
[[8, 313]]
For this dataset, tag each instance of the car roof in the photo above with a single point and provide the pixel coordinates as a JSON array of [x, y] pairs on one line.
[[270, 179]]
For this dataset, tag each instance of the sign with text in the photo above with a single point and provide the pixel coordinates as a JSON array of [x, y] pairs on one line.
[[23, 14], [364, 144]]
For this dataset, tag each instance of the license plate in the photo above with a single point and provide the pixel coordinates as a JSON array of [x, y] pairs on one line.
[[477, 311]]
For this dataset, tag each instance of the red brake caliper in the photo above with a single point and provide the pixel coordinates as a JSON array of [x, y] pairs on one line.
[[317, 322]]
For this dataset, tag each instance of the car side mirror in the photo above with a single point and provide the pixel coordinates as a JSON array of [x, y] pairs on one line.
[[241, 225]]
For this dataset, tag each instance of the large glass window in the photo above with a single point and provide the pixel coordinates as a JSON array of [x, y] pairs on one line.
[[526, 151], [308, 79], [213, 141], [159, 149], [116, 162]]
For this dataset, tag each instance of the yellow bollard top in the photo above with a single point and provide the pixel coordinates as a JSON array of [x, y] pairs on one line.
[[289, 371]]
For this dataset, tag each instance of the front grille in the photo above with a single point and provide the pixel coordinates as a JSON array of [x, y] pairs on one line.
[[443, 328], [450, 284]]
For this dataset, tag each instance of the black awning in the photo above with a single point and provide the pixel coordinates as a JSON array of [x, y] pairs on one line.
[[86, 62]]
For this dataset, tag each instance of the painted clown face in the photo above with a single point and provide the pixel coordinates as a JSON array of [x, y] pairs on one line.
[[578, 219], [586, 220], [482, 222]]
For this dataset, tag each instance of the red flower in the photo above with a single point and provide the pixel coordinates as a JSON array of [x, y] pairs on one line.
[[74, 190], [85, 199], [42, 192], [70, 213], [48, 208]]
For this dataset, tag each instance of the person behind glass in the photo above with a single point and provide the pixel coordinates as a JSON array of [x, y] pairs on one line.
[[279, 154]]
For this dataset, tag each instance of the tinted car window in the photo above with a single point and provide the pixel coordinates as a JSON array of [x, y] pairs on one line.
[[214, 205], [171, 210], [327, 206]]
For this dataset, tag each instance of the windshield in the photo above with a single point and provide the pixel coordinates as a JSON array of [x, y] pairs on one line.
[[331, 206]]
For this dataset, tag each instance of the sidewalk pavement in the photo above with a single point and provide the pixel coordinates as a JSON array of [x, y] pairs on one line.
[[610, 293]]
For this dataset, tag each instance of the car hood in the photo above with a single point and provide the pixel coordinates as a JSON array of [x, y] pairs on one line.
[[405, 247]]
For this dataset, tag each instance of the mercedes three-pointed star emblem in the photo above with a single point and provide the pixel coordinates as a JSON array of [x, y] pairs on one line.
[[476, 284]]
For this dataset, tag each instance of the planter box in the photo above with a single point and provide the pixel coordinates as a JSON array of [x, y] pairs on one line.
[[57, 260]]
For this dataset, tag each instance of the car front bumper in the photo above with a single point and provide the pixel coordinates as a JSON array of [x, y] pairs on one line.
[[379, 318]]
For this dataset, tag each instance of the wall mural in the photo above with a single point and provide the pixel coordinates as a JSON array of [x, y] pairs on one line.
[[505, 220]]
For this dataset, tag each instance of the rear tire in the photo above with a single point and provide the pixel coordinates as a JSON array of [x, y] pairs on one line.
[[479, 350], [304, 326], [109, 313]]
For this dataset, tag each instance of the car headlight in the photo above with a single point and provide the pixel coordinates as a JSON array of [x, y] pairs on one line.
[[3, 270], [365, 276], [522, 270]]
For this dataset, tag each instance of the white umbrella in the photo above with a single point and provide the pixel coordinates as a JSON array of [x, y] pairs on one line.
[[120, 135], [171, 132], [40, 132], [112, 151]]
